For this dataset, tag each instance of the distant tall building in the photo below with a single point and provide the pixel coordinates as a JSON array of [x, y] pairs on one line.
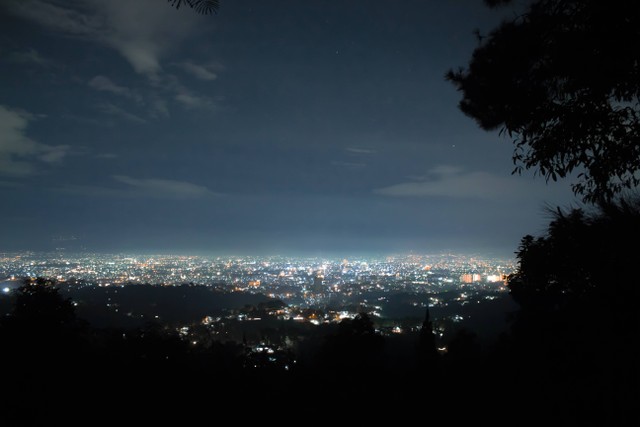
[[470, 278]]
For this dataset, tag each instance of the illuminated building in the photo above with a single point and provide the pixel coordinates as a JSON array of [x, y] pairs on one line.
[[470, 278]]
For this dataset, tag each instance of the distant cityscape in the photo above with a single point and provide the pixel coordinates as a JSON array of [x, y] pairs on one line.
[[274, 275], [441, 270], [301, 283]]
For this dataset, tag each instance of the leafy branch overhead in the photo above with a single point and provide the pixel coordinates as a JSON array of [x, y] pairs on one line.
[[562, 80], [204, 7]]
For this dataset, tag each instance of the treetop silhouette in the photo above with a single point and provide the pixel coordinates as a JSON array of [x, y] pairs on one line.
[[204, 7], [38, 301], [562, 80], [583, 254]]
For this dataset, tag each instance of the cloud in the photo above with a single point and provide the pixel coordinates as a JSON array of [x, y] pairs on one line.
[[19, 154], [199, 71], [165, 187], [454, 182], [142, 31], [446, 170], [190, 100], [30, 56], [8, 184], [144, 57], [347, 164], [158, 106], [50, 14], [103, 83], [358, 158], [53, 154], [187, 98], [358, 150], [116, 111]]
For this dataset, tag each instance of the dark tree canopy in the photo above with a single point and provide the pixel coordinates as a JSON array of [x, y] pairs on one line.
[[204, 7], [427, 350], [562, 80], [39, 302], [582, 256]]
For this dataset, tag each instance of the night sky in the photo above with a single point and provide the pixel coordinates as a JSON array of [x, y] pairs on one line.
[[281, 127]]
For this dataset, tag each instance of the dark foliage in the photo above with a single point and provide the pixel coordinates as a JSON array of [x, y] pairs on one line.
[[560, 81], [39, 303], [563, 81], [204, 7], [355, 347], [427, 351], [41, 341], [583, 255], [574, 343], [556, 361]]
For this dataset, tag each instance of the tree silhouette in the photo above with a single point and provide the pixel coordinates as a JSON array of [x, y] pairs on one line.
[[39, 303], [361, 325], [355, 349], [575, 337], [427, 350], [42, 341], [562, 80], [204, 7], [463, 346], [582, 255]]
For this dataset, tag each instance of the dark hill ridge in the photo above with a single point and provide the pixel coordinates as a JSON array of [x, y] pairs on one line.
[[172, 304]]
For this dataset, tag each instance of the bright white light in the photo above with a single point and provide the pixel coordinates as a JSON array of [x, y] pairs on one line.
[[6, 290]]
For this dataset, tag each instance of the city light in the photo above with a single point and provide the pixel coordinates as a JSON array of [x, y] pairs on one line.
[[304, 286]]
